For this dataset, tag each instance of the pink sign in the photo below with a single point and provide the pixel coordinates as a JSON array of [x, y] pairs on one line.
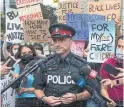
[[77, 47]]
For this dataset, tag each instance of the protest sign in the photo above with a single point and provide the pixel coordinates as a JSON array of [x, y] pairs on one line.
[[14, 31], [8, 97], [29, 13], [23, 3], [111, 9], [80, 23], [65, 7], [77, 47], [36, 30], [101, 41]]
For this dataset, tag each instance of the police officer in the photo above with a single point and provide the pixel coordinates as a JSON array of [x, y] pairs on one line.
[[54, 85]]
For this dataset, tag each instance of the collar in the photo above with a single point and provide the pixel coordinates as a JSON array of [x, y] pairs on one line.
[[67, 58]]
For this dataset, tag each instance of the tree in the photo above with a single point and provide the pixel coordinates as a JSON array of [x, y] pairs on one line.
[[2, 19], [49, 13]]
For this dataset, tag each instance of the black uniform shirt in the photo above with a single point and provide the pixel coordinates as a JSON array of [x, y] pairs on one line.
[[55, 75]]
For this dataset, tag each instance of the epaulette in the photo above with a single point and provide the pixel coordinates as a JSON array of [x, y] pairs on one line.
[[50, 61], [80, 61], [78, 57]]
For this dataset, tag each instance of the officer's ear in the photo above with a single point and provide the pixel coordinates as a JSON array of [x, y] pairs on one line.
[[70, 39]]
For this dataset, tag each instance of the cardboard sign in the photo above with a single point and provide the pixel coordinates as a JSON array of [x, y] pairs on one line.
[[101, 41], [36, 30], [80, 23], [14, 31], [29, 13], [67, 7], [23, 3], [111, 9], [77, 47]]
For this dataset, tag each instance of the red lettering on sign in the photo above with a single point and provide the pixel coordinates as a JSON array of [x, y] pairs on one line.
[[31, 16]]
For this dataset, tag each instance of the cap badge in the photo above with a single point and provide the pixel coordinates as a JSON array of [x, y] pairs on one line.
[[56, 31]]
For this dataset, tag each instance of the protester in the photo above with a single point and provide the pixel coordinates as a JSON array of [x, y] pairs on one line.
[[54, 84], [5, 69], [39, 50], [115, 91], [51, 49], [13, 49], [25, 96], [121, 74], [96, 67], [113, 83], [2, 56]]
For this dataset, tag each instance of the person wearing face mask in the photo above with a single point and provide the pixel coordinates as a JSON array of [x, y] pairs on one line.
[[95, 66], [13, 49], [115, 91], [25, 96]]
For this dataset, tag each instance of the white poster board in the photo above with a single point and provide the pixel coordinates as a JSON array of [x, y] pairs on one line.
[[29, 9], [8, 97], [101, 41], [14, 31]]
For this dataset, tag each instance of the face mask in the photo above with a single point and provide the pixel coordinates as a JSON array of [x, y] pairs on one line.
[[119, 54], [26, 58], [15, 52]]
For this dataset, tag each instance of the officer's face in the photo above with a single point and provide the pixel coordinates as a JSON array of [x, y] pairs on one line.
[[62, 45]]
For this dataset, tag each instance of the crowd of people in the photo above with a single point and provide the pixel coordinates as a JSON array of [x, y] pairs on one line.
[[52, 84]]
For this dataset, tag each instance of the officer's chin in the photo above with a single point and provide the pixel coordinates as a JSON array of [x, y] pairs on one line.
[[58, 52]]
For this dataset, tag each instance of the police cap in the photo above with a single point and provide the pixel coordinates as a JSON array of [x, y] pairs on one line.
[[61, 30]]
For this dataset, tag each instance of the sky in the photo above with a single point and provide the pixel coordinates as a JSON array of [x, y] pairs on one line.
[[46, 2], [49, 2], [1, 5]]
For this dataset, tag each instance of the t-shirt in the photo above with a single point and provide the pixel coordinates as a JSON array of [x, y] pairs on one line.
[[26, 84], [115, 93]]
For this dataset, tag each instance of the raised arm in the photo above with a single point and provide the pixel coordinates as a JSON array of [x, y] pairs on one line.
[[4, 49]]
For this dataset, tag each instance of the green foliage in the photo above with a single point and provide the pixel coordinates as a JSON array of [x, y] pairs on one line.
[[49, 13]]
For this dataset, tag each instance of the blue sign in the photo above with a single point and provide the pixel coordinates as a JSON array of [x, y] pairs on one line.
[[80, 23], [101, 41]]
